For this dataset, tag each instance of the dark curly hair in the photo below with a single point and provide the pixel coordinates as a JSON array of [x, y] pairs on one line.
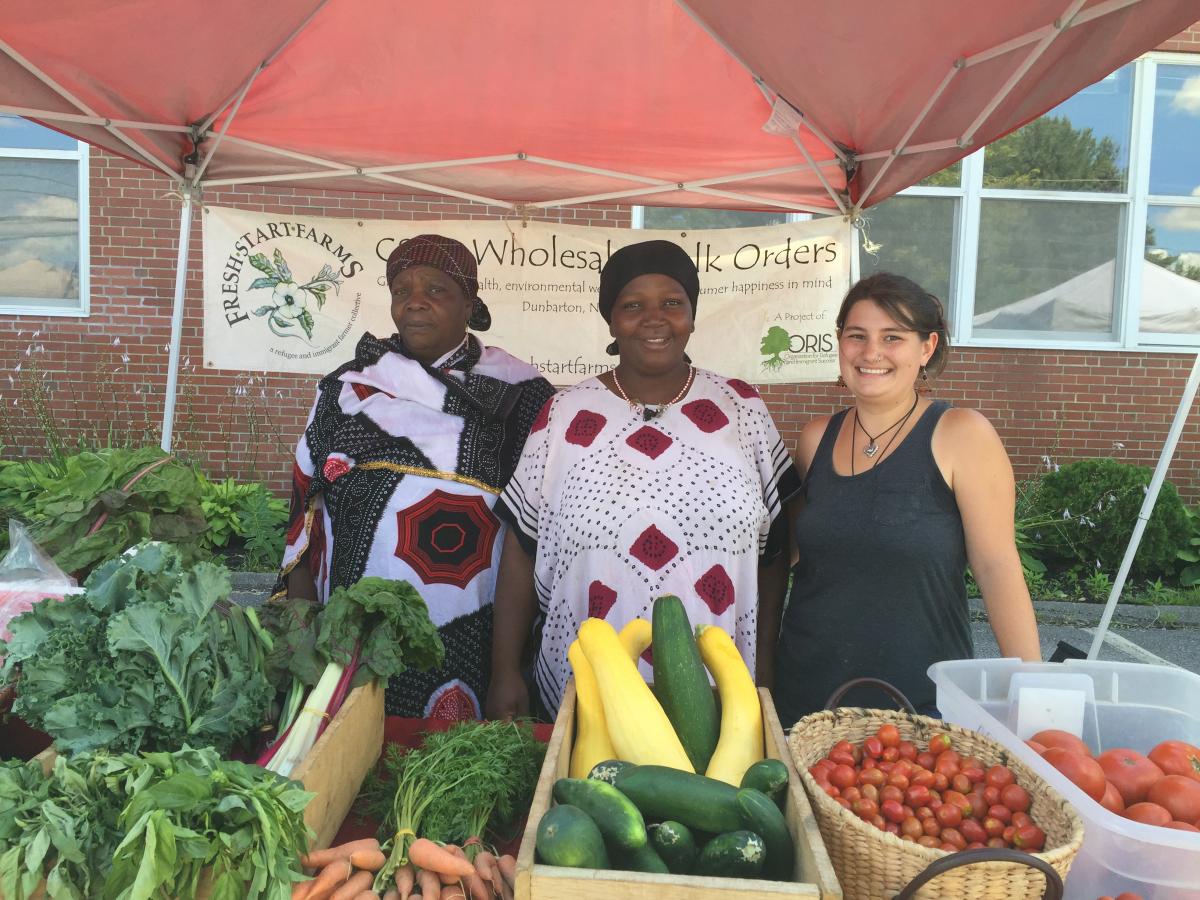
[[910, 305]]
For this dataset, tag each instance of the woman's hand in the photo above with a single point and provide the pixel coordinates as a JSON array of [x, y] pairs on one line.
[[508, 696]]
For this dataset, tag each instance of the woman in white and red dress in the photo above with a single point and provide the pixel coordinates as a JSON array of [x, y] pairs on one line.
[[655, 478], [405, 452]]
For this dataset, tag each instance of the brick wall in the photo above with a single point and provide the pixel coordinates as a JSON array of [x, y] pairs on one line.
[[1185, 42], [87, 376]]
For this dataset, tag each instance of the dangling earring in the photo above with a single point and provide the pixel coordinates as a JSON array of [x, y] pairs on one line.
[[612, 349], [923, 384], [841, 382]]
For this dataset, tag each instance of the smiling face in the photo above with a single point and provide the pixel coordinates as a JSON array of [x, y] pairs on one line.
[[430, 311], [651, 322], [880, 358]]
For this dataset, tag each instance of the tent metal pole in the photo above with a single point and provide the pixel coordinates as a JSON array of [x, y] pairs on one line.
[[341, 170], [1160, 474], [916, 123], [181, 263], [1060, 24], [80, 119], [224, 127], [931, 147], [79, 104]]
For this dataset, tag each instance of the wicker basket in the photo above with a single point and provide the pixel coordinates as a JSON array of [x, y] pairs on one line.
[[874, 865]]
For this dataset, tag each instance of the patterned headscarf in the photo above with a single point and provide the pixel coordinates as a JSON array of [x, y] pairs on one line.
[[446, 255]]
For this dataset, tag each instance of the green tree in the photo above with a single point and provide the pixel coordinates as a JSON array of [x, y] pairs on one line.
[[1050, 154], [775, 342]]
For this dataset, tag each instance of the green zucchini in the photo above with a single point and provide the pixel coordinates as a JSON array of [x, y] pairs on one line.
[[567, 836], [735, 854], [769, 776], [607, 770], [681, 682], [661, 792], [676, 845], [643, 859], [761, 815], [614, 813]]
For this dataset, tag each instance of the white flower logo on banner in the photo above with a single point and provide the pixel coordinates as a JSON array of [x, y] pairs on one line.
[[289, 306]]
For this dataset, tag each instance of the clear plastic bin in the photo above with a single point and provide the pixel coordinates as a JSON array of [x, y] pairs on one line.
[[1123, 705]]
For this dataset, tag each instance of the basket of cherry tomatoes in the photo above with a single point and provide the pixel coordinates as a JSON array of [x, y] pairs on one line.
[[896, 794]]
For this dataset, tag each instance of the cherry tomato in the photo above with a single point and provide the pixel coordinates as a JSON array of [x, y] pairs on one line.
[[889, 735], [954, 837], [999, 776], [873, 747], [1015, 797], [973, 831], [993, 827], [939, 743], [865, 809], [927, 840], [923, 812], [1029, 837], [911, 827], [917, 795], [991, 795], [843, 802], [932, 827], [841, 757], [922, 777], [869, 763], [892, 828], [852, 793], [891, 792], [1003, 813], [1007, 834], [1020, 819], [830, 789], [961, 783], [877, 821], [890, 754], [949, 815], [1130, 773], [892, 811], [1179, 795], [975, 774], [1083, 771], [871, 776], [869, 792], [898, 780], [926, 760], [954, 798], [843, 776], [908, 750], [997, 842], [940, 781]]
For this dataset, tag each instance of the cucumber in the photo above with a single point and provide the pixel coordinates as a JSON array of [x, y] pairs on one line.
[[769, 776], [643, 859], [676, 845], [614, 813], [735, 854], [681, 682], [661, 793], [761, 815], [607, 770], [567, 836]]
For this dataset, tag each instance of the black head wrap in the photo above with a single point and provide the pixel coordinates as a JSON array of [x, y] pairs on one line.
[[647, 258]]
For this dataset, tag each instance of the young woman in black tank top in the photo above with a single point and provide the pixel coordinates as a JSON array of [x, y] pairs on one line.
[[900, 494]]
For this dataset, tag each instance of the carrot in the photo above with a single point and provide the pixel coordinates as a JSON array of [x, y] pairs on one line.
[[329, 878], [472, 883], [508, 869], [392, 894], [489, 871], [367, 895], [425, 854], [371, 860], [405, 877], [431, 885], [453, 892], [353, 886], [319, 859]]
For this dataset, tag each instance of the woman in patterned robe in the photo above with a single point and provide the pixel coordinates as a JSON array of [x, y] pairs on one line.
[[405, 452]]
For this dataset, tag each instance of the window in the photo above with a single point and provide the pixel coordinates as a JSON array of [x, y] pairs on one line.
[[1081, 229], [688, 218], [43, 220]]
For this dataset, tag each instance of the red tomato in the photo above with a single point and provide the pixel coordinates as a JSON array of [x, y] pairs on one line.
[[852, 793], [869, 792], [954, 798], [1020, 819], [1052, 737], [1112, 800], [891, 792], [1181, 826], [941, 781], [939, 743], [911, 827], [1003, 813], [890, 754], [1082, 771], [949, 815], [997, 842], [840, 757], [1179, 795], [993, 827], [1128, 895], [865, 809], [931, 826], [1177, 758], [991, 795], [843, 776], [999, 777], [889, 735], [927, 840], [975, 774], [1029, 837], [892, 828], [961, 783], [926, 760], [921, 777], [1015, 797], [1039, 749], [1129, 772], [907, 750], [973, 831], [917, 795], [954, 837], [873, 747], [871, 776], [892, 811], [1148, 813]]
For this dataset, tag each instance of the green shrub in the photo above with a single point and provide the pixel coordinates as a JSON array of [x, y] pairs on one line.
[[1097, 502]]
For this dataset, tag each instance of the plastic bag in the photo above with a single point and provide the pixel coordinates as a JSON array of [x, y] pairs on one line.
[[28, 574]]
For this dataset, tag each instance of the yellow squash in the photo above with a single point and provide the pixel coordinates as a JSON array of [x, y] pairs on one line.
[[635, 638], [741, 741], [592, 744], [640, 731]]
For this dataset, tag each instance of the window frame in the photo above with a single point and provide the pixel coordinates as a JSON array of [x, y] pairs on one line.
[[60, 306]]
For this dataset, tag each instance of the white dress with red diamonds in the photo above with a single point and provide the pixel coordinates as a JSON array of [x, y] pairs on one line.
[[620, 510]]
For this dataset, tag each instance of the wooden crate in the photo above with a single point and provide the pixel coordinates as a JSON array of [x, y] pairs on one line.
[[335, 767], [814, 875]]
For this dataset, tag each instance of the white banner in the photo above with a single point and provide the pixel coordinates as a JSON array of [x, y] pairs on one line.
[[295, 293]]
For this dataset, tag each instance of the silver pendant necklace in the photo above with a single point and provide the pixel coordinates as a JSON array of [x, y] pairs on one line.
[[872, 447]]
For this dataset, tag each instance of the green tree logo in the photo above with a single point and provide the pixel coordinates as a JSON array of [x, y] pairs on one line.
[[775, 342]]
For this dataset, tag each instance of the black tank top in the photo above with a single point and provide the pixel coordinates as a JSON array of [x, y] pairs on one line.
[[879, 589]]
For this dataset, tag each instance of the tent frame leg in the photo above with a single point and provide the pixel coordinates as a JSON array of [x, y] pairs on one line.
[[181, 264], [1160, 474]]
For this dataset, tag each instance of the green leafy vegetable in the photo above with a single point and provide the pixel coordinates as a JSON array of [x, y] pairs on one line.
[[150, 656], [152, 827]]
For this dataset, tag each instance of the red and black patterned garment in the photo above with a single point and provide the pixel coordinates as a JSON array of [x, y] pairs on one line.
[[618, 509], [396, 476]]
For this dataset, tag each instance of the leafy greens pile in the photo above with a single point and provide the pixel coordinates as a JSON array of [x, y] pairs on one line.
[[150, 656], [162, 825]]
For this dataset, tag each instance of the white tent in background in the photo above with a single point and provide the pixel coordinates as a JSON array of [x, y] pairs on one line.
[[1170, 304]]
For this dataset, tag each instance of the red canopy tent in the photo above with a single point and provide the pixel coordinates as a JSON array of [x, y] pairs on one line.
[[799, 105]]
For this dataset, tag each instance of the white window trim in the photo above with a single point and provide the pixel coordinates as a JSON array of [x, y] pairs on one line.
[[50, 307], [637, 217]]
